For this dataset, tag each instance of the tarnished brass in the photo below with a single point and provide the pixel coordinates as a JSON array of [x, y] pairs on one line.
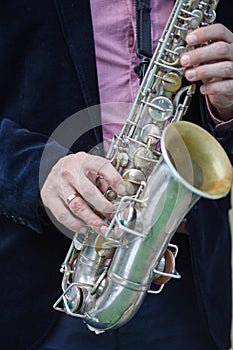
[[171, 82], [208, 171]]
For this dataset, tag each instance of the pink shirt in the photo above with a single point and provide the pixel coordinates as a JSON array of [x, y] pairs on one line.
[[114, 25], [115, 46]]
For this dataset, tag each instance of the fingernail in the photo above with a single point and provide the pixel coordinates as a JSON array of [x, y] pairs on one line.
[[121, 189], [185, 60], [103, 229], [191, 39], [190, 74]]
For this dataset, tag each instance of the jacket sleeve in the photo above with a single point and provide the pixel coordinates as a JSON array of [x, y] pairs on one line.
[[225, 140], [20, 155]]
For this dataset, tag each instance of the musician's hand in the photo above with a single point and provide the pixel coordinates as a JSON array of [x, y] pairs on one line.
[[213, 64], [87, 177]]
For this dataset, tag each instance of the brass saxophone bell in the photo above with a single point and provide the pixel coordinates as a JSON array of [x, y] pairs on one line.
[[198, 158]]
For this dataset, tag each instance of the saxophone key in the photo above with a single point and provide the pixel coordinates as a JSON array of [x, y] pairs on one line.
[[104, 248], [110, 194], [171, 82], [196, 19], [142, 157], [177, 52], [123, 159], [150, 133], [161, 108], [133, 178]]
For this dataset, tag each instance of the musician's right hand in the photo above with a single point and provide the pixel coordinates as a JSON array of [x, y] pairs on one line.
[[75, 185]]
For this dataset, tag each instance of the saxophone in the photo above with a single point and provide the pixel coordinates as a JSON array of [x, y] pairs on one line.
[[167, 164]]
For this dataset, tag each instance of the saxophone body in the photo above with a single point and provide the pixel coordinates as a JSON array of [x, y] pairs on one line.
[[167, 164]]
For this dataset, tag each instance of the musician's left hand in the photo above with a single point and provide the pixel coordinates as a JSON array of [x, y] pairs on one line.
[[213, 64]]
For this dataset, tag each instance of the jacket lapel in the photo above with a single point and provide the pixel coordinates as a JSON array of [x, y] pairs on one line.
[[75, 18]]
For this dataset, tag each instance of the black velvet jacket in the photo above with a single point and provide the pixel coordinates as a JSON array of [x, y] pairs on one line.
[[48, 72]]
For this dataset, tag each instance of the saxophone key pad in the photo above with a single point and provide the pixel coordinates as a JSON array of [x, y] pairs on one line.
[[196, 20], [133, 179], [161, 108], [171, 82], [110, 195], [150, 133], [143, 157]]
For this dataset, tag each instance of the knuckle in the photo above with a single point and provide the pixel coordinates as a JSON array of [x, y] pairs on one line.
[[67, 167], [107, 208], [77, 225], [76, 206], [80, 155], [201, 73], [115, 178], [222, 48], [104, 208], [65, 172], [229, 86], [103, 165], [94, 222], [221, 29], [87, 193], [62, 216], [228, 69], [46, 195], [213, 89]]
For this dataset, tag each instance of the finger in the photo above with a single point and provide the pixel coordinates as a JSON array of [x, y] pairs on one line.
[[74, 179], [102, 184], [219, 88], [214, 32], [79, 208], [104, 168], [214, 71], [64, 216], [89, 193], [210, 53]]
